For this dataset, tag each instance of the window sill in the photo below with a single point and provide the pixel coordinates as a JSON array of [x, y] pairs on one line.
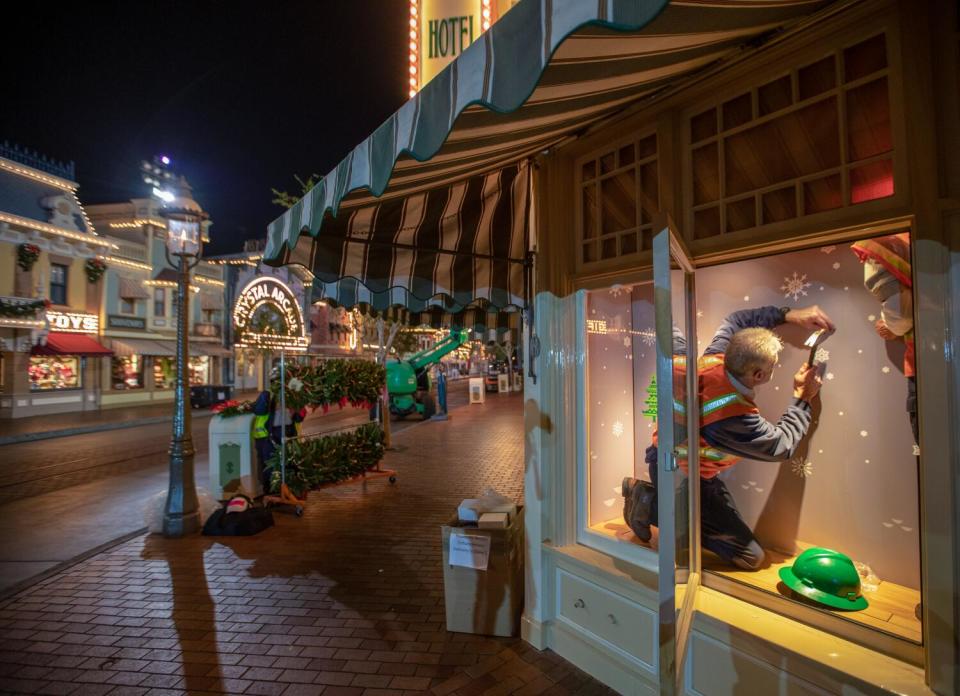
[[820, 656]]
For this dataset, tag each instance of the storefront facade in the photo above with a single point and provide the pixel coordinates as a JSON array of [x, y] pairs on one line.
[[724, 158], [139, 314], [49, 290], [766, 171], [249, 360]]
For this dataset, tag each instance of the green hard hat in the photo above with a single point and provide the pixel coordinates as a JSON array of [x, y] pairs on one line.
[[825, 576]]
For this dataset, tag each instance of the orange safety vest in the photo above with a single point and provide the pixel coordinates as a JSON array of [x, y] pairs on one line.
[[893, 253], [719, 400]]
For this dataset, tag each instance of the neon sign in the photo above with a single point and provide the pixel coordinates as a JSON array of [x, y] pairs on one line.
[[269, 291], [73, 322]]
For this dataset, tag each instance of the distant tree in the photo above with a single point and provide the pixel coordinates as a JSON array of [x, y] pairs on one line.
[[288, 200]]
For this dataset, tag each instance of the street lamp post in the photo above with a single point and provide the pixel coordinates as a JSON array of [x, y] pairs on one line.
[[181, 515]]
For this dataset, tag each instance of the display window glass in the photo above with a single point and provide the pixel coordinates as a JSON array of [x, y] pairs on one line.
[[54, 372], [850, 485], [164, 372], [126, 372], [621, 408], [839, 474], [199, 369]]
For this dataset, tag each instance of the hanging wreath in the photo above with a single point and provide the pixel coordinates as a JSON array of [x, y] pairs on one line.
[[27, 255], [94, 268], [22, 309]]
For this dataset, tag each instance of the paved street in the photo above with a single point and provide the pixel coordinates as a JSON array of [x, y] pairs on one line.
[[62, 497], [346, 600]]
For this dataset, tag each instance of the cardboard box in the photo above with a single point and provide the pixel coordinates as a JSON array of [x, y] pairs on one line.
[[486, 602], [493, 520]]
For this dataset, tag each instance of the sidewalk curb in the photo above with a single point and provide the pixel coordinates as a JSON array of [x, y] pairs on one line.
[[97, 428], [15, 589]]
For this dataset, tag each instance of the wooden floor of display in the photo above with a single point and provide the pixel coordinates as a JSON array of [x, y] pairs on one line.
[[892, 607]]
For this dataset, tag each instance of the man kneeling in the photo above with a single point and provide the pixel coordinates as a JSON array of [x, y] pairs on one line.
[[741, 357]]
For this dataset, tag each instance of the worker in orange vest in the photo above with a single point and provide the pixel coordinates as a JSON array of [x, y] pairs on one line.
[[887, 275], [741, 357]]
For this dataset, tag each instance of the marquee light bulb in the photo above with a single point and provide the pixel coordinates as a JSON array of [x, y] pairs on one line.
[[413, 57], [413, 23], [413, 70]]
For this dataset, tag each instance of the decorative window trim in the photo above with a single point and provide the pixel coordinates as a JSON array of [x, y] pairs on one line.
[[613, 148]]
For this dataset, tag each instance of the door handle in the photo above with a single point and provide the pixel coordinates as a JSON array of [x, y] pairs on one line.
[[579, 604], [670, 462]]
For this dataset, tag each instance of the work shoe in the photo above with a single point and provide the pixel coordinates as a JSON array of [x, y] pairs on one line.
[[637, 499]]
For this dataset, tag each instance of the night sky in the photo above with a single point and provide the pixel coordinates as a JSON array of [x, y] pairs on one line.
[[241, 95]]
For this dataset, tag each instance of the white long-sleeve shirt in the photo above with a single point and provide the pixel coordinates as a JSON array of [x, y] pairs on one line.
[[896, 307]]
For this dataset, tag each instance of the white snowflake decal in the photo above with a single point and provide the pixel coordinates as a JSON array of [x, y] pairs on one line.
[[617, 290], [617, 429], [836, 265], [796, 286], [626, 341], [822, 355], [828, 249], [802, 469], [648, 336], [699, 314]]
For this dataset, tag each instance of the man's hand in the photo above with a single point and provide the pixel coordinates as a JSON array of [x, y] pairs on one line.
[[810, 318], [806, 383], [883, 331]]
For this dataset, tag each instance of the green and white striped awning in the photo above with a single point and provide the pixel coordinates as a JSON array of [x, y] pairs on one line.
[[547, 70], [480, 317]]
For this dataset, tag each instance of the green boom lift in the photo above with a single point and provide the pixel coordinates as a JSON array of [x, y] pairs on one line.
[[408, 381]]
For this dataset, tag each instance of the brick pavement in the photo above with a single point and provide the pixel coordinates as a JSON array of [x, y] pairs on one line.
[[346, 600]]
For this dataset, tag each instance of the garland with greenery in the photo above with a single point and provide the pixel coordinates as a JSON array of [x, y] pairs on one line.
[[27, 255], [332, 382], [94, 268], [22, 309], [330, 459]]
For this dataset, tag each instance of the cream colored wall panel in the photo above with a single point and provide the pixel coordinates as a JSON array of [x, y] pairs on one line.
[[716, 669], [600, 663], [614, 619], [8, 267], [141, 396]]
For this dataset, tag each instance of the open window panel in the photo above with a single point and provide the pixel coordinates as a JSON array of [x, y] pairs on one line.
[[619, 328], [851, 484]]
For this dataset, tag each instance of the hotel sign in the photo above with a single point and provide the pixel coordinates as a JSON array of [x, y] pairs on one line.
[[447, 27], [73, 322], [269, 291]]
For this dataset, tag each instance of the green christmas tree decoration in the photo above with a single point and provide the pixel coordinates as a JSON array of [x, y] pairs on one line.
[[651, 402]]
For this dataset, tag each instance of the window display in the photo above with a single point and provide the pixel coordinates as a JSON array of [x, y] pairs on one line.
[[54, 372], [126, 372], [199, 369], [851, 485], [164, 372], [831, 480]]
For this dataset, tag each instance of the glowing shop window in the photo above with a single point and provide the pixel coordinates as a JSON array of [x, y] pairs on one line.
[[54, 372]]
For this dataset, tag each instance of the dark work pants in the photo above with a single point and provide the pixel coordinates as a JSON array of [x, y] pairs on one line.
[[912, 408], [722, 529], [265, 449]]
